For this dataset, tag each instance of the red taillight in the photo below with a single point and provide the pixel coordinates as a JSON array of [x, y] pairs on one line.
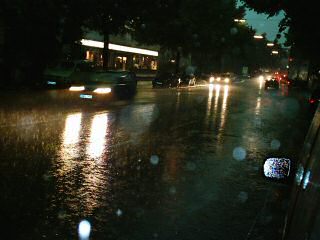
[[312, 101]]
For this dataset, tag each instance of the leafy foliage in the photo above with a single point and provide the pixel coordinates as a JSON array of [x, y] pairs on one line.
[[301, 19]]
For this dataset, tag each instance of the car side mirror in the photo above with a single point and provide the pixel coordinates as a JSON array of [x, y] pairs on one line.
[[277, 168]]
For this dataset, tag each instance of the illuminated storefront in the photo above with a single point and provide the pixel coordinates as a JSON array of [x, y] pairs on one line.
[[121, 56]]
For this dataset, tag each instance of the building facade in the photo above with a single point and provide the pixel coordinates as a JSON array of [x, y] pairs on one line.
[[124, 53]]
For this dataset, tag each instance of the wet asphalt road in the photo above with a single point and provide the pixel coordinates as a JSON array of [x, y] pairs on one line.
[[168, 164]]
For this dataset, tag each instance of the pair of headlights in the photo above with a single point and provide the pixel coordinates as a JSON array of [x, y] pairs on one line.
[[97, 90], [261, 77], [218, 79]]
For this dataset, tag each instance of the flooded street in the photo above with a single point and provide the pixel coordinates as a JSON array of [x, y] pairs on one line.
[[168, 164]]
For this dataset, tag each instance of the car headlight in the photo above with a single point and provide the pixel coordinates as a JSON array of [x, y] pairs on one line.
[[218, 79], [102, 90], [226, 80], [211, 79], [261, 78], [76, 88], [269, 77]]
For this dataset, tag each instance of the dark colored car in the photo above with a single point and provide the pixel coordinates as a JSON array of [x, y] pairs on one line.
[[187, 80], [271, 83], [314, 98], [165, 79], [95, 84]]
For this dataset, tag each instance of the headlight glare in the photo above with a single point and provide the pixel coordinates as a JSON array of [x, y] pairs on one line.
[[102, 90], [76, 88]]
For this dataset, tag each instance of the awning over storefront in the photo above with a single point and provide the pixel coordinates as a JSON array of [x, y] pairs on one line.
[[121, 48]]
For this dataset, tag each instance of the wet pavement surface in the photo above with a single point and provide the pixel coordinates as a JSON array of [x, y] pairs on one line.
[[167, 164]]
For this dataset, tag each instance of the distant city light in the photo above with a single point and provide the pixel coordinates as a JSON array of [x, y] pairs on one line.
[[121, 48], [258, 37], [270, 44], [275, 52]]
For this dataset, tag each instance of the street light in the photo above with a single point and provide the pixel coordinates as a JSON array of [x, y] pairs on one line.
[[270, 44], [240, 20], [258, 37]]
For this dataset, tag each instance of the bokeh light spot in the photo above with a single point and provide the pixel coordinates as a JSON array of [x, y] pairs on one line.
[[239, 153]]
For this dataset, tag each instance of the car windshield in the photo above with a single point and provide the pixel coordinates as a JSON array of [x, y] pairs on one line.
[[65, 65], [154, 120], [107, 76], [164, 74]]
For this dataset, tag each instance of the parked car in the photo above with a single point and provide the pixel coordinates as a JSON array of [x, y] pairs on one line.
[[94, 84], [59, 75], [302, 220], [186, 80], [165, 79], [271, 83]]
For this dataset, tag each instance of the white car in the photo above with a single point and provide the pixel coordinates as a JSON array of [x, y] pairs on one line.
[[94, 84], [223, 78]]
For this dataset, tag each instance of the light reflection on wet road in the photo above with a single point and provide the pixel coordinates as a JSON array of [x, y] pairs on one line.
[[160, 166]]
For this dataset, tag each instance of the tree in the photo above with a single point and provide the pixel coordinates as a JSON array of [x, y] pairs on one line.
[[300, 18], [110, 17], [205, 29], [35, 32], [162, 22]]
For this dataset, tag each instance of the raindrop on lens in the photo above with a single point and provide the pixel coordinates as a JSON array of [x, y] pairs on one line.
[[84, 229], [119, 213], [233, 31], [243, 197], [154, 159], [191, 166], [172, 190], [239, 153], [275, 144]]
